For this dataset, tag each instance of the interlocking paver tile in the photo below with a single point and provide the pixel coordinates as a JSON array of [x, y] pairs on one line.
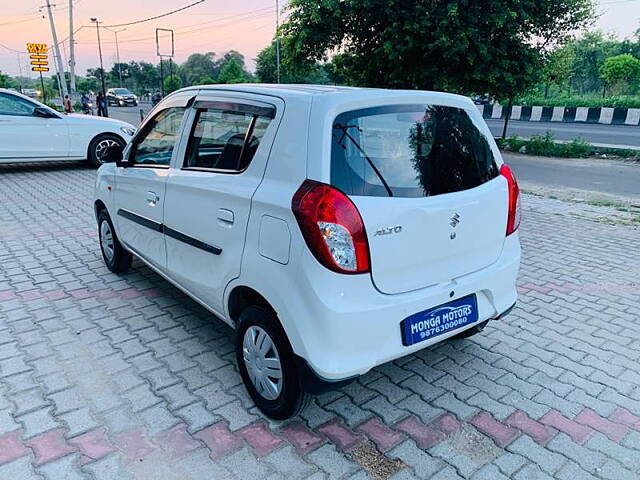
[[119, 369]]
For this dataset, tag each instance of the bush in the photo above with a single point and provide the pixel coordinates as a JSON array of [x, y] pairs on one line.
[[577, 148], [624, 101], [512, 144], [541, 145], [545, 145]]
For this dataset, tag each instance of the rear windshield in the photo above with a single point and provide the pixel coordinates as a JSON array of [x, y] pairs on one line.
[[408, 151]]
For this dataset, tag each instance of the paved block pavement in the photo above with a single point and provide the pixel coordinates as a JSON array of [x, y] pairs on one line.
[[118, 377]]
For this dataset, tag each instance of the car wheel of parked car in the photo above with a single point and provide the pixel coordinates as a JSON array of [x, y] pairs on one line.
[[116, 258], [266, 363], [469, 332], [99, 144]]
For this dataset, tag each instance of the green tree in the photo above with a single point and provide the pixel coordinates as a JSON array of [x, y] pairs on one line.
[[266, 69], [197, 67], [558, 67], [590, 52], [171, 84], [232, 72], [4, 80], [621, 72], [496, 46]]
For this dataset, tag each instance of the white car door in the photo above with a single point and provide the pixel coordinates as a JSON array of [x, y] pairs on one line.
[[140, 187], [24, 133], [209, 192]]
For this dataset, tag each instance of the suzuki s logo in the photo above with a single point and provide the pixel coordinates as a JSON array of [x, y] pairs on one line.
[[388, 230], [455, 220]]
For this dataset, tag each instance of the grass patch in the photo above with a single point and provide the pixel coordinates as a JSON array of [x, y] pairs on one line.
[[546, 146]]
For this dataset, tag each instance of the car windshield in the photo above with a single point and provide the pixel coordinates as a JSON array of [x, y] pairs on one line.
[[409, 151], [121, 91]]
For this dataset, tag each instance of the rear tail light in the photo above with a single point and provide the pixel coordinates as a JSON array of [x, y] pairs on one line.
[[513, 218], [332, 227]]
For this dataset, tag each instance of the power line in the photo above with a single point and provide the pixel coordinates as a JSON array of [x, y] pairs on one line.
[[11, 49], [156, 17], [245, 16]]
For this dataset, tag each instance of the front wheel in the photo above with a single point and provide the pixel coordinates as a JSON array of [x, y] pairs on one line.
[[98, 146], [266, 364]]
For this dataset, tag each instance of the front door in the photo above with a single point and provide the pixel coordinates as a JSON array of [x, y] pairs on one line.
[[209, 193], [25, 135], [140, 187]]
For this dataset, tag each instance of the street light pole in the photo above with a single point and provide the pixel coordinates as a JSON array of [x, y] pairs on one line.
[[106, 112], [277, 42], [72, 54]]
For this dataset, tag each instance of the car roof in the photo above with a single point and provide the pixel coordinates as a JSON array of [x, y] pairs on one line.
[[337, 93]]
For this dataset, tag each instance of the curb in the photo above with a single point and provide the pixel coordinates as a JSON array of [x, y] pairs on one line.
[[599, 115]]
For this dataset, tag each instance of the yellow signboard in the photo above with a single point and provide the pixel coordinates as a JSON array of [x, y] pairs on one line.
[[38, 57], [39, 69], [38, 48], [43, 63]]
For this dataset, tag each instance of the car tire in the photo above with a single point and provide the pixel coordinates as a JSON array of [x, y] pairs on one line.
[[99, 143], [115, 257], [470, 332], [284, 397]]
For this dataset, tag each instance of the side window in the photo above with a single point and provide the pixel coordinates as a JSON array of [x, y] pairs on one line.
[[157, 140], [12, 105], [225, 139]]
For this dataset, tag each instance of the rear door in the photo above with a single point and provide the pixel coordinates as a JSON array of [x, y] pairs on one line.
[[209, 192], [427, 187], [140, 187]]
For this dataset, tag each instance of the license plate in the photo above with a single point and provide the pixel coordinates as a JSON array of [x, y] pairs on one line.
[[439, 320]]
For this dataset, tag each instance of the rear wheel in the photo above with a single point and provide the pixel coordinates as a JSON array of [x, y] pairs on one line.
[[266, 364], [99, 144], [469, 332], [116, 258]]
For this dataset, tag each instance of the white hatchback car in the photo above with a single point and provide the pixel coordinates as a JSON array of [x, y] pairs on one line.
[[33, 132], [335, 228]]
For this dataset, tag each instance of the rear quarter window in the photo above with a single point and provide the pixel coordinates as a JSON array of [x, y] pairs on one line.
[[409, 151]]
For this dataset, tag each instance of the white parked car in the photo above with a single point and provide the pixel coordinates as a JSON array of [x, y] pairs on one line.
[[32, 132], [335, 228]]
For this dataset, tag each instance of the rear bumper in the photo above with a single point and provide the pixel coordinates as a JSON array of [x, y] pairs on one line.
[[314, 383], [349, 327]]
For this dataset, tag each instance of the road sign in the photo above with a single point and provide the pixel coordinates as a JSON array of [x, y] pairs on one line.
[[39, 69], [38, 48]]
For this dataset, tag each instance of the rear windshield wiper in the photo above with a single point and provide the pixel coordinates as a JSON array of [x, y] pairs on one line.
[[345, 134]]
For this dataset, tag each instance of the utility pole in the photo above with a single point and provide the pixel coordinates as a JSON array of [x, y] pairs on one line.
[[72, 54], [116, 32], [277, 42], [56, 49], [104, 99], [20, 70]]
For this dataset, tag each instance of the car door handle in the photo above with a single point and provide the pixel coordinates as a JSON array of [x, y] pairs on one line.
[[152, 198], [225, 217]]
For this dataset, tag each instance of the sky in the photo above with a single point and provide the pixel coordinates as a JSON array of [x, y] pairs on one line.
[[213, 25]]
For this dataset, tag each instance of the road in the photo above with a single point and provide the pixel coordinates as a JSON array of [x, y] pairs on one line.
[[613, 177], [596, 134], [602, 176], [129, 114]]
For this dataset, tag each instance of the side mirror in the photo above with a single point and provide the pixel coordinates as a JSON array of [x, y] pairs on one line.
[[113, 153], [43, 113]]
